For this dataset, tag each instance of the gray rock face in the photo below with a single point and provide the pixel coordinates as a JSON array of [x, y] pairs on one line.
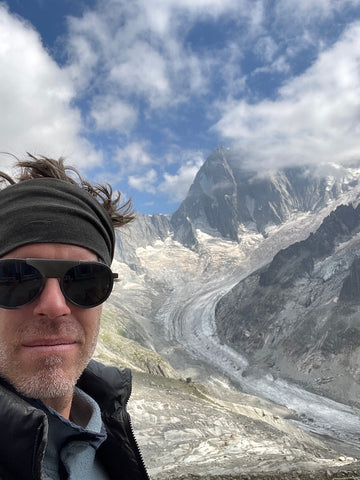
[[350, 290], [144, 231], [300, 315], [225, 196]]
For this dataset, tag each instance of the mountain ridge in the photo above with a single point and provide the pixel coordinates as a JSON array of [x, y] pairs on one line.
[[298, 315], [174, 269], [224, 199]]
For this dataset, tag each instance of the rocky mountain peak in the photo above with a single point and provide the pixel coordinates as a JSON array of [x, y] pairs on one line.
[[225, 196]]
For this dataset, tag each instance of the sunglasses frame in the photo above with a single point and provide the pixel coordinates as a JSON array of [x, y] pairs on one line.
[[57, 268]]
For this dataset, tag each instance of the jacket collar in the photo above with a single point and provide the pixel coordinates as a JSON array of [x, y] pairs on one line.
[[27, 426], [108, 386]]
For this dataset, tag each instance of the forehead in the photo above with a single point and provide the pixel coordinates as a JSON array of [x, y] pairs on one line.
[[60, 251]]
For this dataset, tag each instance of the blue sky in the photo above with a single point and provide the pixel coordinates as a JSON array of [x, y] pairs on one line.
[[138, 93]]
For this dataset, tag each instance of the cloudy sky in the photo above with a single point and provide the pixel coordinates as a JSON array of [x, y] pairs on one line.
[[138, 93]]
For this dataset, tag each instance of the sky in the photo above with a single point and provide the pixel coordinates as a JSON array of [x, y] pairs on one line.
[[139, 93]]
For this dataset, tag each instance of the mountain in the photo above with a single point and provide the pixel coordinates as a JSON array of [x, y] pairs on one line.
[[251, 284], [224, 197], [144, 231], [292, 239], [299, 315]]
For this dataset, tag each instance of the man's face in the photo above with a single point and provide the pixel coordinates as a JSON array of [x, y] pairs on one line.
[[45, 346]]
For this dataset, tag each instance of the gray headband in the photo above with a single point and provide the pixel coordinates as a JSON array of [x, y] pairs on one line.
[[48, 210]]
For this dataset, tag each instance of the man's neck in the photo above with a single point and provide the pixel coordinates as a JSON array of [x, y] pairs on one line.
[[61, 405]]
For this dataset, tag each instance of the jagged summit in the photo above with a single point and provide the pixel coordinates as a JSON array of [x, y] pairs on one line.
[[225, 199], [225, 196]]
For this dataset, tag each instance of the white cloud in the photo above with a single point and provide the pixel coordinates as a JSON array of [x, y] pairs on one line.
[[266, 48], [35, 98], [144, 183], [308, 10], [144, 72], [176, 186], [138, 49], [164, 16], [315, 118], [110, 113], [133, 157], [135, 62], [143, 172]]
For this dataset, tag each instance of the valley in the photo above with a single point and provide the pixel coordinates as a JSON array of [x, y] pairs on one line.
[[210, 408]]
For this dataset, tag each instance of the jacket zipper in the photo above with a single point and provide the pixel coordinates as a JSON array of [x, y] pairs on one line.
[[133, 438]]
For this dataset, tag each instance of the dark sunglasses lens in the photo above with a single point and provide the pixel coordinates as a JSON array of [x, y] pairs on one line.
[[87, 284], [19, 283]]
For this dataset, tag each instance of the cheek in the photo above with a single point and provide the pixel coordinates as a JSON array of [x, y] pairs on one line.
[[10, 320], [90, 320]]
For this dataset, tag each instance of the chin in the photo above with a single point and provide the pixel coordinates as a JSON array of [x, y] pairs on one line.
[[51, 380]]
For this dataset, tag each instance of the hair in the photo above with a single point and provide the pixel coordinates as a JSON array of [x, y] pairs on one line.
[[44, 167]]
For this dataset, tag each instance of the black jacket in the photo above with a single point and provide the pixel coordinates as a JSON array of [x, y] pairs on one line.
[[24, 428]]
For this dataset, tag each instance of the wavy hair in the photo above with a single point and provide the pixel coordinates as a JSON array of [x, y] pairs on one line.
[[44, 167]]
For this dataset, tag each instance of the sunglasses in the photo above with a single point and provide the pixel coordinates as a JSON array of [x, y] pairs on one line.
[[84, 284]]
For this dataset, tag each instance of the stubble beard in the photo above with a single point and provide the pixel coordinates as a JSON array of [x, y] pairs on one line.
[[48, 381], [49, 378]]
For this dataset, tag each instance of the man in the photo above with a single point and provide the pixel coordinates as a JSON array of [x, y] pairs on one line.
[[62, 416]]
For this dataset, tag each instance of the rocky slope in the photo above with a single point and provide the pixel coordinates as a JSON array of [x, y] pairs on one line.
[[191, 430], [246, 237], [299, 315]]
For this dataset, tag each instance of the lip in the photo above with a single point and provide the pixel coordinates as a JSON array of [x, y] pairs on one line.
[[48, 342], [49, 346]]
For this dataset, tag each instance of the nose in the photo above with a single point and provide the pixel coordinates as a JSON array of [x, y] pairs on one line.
[[51, 302]]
